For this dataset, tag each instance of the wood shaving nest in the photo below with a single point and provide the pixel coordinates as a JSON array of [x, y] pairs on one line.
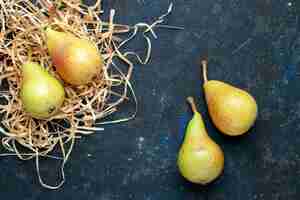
[[21, 33]]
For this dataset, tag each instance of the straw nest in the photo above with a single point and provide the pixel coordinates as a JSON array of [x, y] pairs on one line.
[[21, 35]]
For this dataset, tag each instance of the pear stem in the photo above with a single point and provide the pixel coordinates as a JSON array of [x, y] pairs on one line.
[[204, 70], [192, 103], [29, 56]]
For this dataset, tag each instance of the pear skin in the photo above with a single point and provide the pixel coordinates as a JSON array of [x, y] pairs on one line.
[[200, 159], [233, 111], [41, 94], [76, 60]]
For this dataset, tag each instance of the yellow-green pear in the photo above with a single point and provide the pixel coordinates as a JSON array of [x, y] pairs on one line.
[[233, 111], [200, 159], [41, 94], [76, 60]]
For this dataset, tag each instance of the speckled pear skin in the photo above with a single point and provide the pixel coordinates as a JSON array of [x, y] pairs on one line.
[[41, 94], [76, 60], [200, 159], [233, 111]]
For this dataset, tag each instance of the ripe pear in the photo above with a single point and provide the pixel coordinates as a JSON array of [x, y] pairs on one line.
[[41, 94], [233, 110], [77, 60], [200, 159]]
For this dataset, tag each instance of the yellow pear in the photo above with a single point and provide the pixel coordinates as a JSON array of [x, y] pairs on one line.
[[76, 60], [233, 111], [41, 94], [200, 159]]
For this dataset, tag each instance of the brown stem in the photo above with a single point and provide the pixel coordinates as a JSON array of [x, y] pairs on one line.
[[29, 58], [204, 70], [192, 103]]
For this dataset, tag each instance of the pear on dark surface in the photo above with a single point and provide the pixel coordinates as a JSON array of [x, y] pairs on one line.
[[200, 159], [76, 60], [233, 110], [41, 94]]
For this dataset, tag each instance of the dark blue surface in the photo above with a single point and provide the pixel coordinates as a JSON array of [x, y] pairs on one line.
[[253, 44]]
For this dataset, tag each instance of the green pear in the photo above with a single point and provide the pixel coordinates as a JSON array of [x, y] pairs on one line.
[[41, 94], [232, 110], [200, 159]]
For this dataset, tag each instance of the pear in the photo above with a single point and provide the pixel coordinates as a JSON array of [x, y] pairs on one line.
[[41, 94], [233, 110], [76, 60], [200, 159]]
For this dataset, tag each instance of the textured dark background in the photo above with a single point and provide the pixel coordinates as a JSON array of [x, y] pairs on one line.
[[252, 44]]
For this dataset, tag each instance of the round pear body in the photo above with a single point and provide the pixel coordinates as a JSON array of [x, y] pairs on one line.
[[76, 60], [41, 94], [232, 110], [200, 159]]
